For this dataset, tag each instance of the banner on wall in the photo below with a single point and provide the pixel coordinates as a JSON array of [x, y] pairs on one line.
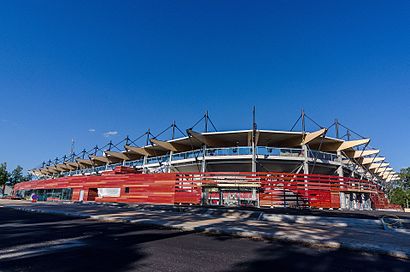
[[109, 192]]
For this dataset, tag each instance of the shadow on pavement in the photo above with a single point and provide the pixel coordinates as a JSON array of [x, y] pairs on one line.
[[25, 243], [285, 257], [134, 247]]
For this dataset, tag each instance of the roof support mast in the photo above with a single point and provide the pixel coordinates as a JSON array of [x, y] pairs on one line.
[[171, 152], [206, 121], [254, 128], [144, 162], [304, 145], [339, 152], [305, 152], [203, 163], [337, 128]]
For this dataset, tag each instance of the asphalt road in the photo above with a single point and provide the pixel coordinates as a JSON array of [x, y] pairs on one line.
[[40, 242]]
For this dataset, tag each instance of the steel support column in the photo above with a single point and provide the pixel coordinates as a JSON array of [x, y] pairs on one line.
[[203, 163], [340, 174], [170, 161], [144, 162]]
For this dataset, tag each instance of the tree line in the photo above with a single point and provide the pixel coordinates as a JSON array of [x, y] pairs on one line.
[[399, 192], [13, 177]]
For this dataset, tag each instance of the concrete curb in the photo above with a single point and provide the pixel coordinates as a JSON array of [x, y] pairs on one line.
[[235, 232]]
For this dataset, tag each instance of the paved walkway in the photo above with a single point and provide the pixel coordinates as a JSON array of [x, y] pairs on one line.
[[315, 231]]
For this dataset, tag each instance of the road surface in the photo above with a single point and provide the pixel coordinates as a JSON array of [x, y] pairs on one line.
[[41, 242]]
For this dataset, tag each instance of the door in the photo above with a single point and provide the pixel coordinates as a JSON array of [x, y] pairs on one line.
[[81, 195], [230, 198], [92, 194], [210, 196]]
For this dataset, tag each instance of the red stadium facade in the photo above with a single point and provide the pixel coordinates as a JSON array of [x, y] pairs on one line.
[[222, 189], [259, 168]]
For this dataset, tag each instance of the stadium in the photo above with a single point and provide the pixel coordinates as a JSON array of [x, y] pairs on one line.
[[253, 168]]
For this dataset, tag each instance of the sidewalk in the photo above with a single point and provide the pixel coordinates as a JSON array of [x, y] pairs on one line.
[[365, 235]]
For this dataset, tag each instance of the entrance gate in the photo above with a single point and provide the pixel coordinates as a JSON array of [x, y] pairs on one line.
[[230, 197], [355, 201]]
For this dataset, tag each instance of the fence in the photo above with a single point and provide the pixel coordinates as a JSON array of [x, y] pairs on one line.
[[275, 189], [271, 189]]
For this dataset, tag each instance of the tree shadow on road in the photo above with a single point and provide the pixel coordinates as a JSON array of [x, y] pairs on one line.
[[125, 247], [27, 244], [287, 257]]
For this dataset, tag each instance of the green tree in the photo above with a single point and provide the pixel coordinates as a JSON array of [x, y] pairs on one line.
[[399, 191], [17, 175], [400, 196], [4, 175], [405, 177]]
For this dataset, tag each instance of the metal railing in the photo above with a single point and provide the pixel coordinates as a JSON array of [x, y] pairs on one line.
[[187, 155], [281, 152], [213, 152], [325, 156], [135, 163], [158, 159], [229, 151]]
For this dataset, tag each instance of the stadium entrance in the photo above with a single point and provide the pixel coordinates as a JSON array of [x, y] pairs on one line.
[[355, 201], [230, 196]]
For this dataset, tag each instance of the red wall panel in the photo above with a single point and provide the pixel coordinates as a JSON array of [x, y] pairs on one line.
[[275, 189]]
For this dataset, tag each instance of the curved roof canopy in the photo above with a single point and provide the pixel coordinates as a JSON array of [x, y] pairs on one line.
[[316, 140]]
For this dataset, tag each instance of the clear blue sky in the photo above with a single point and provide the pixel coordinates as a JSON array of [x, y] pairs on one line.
[[67, 67]]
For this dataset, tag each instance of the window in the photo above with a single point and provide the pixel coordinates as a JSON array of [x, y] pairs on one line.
[[127, 190]]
